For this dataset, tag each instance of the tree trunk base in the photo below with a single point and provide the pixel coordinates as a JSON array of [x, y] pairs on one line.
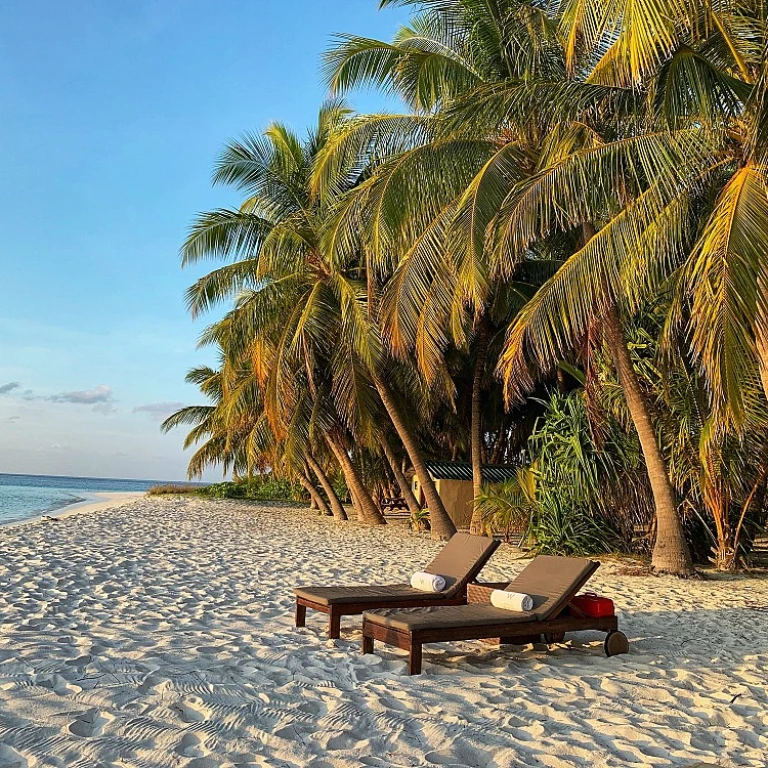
[[672, 562], [477, 525], [670, 570], [693, 575]]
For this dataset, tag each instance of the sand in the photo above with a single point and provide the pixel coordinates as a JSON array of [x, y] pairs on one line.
[[160, 633]]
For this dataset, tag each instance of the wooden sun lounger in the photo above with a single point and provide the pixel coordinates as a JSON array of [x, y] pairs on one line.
[[459, 562], [552, 582], [393, 504]]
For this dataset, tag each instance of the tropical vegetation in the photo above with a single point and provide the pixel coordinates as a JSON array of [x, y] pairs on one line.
[[261, 487], [553, 257]]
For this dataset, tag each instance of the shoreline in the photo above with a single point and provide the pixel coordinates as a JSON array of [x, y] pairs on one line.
[[96, 501]]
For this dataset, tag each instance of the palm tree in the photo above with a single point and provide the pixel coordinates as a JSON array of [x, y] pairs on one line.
[[622, 109], [207, 424], [305, 313], [561, 164], [439, 289], [677, 153], [232, 428]]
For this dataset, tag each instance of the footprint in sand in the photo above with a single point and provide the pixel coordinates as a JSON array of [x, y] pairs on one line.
[[191, 745], [151, 683], [191, 711], [10, 758], [60, 686], [90, 724]]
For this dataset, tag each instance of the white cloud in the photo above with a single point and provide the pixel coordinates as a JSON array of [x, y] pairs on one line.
[[158, 411], [100, 394], [9, 387]]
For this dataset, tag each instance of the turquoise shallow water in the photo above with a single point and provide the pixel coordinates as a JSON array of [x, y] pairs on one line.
[[25, 496]]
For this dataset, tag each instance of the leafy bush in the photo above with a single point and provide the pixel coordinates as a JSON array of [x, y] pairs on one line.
[[510, 505], [261, 488], [563, 496], [172, 489], [574, 481], [562, 528], [419, 521]]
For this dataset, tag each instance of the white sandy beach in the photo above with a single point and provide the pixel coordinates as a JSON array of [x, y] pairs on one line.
[[160, 633]]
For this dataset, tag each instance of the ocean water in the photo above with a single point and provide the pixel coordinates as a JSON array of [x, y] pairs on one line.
[[25, 496]]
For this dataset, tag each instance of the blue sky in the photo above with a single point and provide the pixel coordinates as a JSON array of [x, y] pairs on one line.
[[112, 115]]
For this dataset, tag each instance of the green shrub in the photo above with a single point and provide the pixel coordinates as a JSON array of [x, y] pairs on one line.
[[564, 490], [510, 505], [419, 521], [562, 527], [172, 489], [261, 488]]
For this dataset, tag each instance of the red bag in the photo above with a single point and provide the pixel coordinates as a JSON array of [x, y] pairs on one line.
[[593, 605]]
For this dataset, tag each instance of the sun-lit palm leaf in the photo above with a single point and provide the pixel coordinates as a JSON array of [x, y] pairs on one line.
[[224, 234], [620, 259], [757, 141], [691, 88], [220, 285], [410, 290], [582, 187], [359, 141], [475, 210], [726, 263], [191, 414], [644, 33]]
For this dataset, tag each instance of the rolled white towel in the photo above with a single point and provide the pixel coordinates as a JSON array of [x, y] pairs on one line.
[[427, 582], [511, 601]]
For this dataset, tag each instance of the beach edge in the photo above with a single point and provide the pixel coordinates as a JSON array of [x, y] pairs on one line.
[[98, 502]]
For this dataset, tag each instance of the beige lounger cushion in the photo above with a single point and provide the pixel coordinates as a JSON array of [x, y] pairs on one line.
[[458, 562], [550, 581], [461, 559], [366, 594], [446, 617]]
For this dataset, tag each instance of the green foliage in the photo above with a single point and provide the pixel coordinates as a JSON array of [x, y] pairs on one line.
[[562, 525], [265, 488], [340, 487], [510, 505], [565, 165], [172, 489], [562, 499], [572, 513], [419, 521]]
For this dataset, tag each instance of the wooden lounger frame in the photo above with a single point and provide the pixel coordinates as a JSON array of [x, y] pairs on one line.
[[567, 619], [336, 611]]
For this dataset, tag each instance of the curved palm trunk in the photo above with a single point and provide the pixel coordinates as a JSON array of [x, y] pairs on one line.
[[366, 507], [476, 526], [333, 500], [402, 481], [441, 524], [670, 552], [318, 502], [353, 499]]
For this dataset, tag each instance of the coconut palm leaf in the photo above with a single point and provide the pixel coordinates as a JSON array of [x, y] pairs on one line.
[[726, 264]]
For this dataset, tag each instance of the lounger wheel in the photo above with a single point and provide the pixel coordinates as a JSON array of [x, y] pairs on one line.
[[616, 643]]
